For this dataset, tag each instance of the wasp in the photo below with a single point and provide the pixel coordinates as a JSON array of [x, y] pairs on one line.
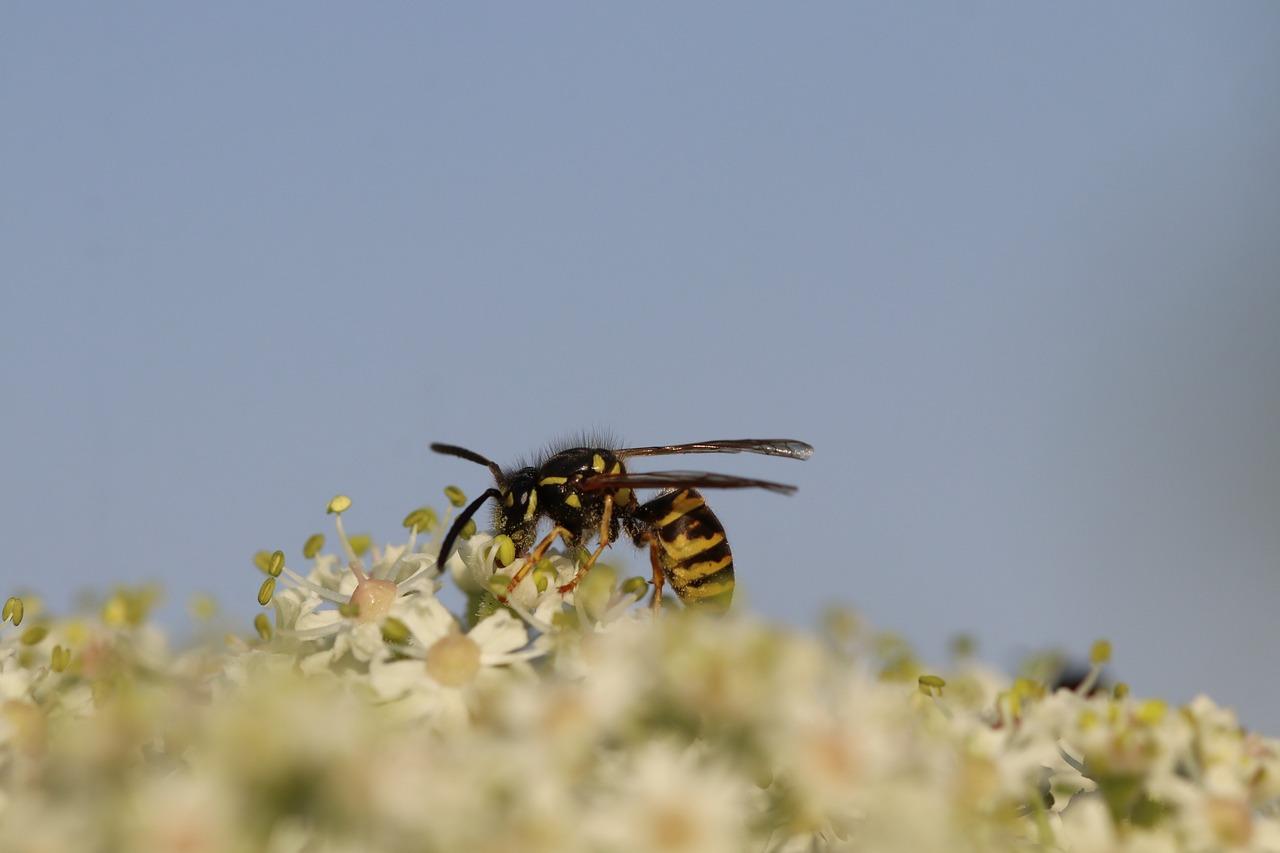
[[587, 493]]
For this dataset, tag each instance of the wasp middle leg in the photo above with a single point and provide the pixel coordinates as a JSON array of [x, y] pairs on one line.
[[606, 520]]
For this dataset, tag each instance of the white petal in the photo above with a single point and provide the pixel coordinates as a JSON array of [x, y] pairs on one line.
[[397, 678], [426, 618], [318, 619], [498, 634]]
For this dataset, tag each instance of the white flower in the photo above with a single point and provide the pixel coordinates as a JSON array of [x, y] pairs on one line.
[[445, 668], [663, 797], [346, 607]]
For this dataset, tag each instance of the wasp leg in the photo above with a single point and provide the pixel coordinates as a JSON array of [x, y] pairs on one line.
[[605, 521], [534, 557], [659, 577]]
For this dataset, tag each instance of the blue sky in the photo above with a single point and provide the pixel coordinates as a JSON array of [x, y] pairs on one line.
[[1012, 269]]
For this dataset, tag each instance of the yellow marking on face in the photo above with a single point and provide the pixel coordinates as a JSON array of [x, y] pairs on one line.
[[573, 501], [533, 505], [597, 463], [684, 503], [707, 590], [553, 481], [684, 574], [683, 547], [508, 498], [622, 496]]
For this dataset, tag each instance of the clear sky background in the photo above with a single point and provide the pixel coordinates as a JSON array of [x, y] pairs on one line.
[[1013, 269]]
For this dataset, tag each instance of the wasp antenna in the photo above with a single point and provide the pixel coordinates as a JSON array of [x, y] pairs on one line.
[[470, 456], [460, 522]]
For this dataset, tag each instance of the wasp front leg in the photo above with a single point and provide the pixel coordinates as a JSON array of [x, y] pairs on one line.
[[606, 522], [535, 556]]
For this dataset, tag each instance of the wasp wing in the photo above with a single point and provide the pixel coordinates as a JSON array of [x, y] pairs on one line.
[[787, 447], [678, 480]]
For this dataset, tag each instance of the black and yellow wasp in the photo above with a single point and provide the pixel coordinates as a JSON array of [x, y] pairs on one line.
[[587, 492]]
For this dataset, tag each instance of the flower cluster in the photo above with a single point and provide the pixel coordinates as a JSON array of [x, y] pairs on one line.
[[365, 714]]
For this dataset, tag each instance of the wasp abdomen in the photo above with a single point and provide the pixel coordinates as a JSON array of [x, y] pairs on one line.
[[691, 548]]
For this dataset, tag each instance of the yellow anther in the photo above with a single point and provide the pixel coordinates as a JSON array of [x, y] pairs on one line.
[[1151, 712], [348, 610], [360, 543], [635, 586], [115, 612], [506, 550], [267, 590], [262, 559], [339, 505], [262, 625], [313, 545], [395, 631], [423, 518], [276, 565], [456, 496], [1100, 652], [543, 574], [33, 635], [1120, 691], [59, 659], [202, 607], [565, 620], [468, 530], [934, 681], [13, 610]]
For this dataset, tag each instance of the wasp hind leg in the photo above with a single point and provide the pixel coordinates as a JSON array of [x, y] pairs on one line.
[[659, 577]]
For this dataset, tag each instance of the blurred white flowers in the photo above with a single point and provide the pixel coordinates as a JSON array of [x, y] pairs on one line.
[[369, 716]]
